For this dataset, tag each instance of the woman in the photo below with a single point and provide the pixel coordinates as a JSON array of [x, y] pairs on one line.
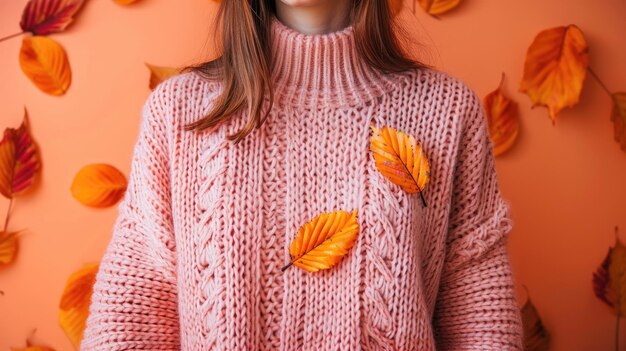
[[236, 154]]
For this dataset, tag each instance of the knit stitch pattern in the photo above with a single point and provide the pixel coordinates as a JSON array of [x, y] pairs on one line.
[[205, 224]]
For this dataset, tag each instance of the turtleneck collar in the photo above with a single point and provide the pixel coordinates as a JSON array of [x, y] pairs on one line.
[[313, 69]]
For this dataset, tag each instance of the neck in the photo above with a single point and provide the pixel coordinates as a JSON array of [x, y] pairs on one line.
[[316, 69], [319, 18]]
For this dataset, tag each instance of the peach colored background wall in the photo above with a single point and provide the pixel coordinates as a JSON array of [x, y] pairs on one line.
[[565, 182]]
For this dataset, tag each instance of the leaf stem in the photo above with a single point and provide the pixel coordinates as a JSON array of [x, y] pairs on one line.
[[287, 266], [6, 221], [11, 36], [599, 81]]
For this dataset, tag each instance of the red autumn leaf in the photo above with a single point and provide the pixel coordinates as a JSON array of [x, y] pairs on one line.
[[42, 17], [19, 160]]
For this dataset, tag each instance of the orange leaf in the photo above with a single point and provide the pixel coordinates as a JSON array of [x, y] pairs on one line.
[[555, 68], [99, 185], [19, 160], [437, 7], [618, 117], [609, 280], [395, 6], [8, 246], [125, 2], [45, 63], [401, 159], [323, 241], [34, 348], [160, 73], [75, 301], [503, 118], [42, 17]]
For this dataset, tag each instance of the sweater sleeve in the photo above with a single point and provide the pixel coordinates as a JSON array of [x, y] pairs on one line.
[[134, 301], [476, 307]]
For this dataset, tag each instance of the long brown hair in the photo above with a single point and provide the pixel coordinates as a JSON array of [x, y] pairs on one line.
[[244, 64]]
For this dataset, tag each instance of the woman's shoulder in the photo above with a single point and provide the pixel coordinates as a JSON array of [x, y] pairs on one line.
[[431, 80]]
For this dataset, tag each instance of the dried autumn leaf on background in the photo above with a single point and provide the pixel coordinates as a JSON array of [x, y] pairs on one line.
[[98, 185], [125, 2], [75, 301], [555, 68], [437, 7], [609, 280], [160, 73], [8, 246], [618, 117], [19, 160], [45, 63], [400, 158], [503, 119], [536, 337], [322, 242], [395, 6], [33, 348], [43, 17]]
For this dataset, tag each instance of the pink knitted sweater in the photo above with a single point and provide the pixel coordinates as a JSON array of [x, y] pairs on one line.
[[194, 262]]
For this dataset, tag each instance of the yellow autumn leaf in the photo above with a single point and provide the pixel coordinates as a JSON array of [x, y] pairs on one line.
[[75, 302], [400, 158], [503, 119], [45, 63], [437, 7], [618, 117], [323, 241], [125, 2], [160, 73], [555, 69], [8, 246], [98, 185]]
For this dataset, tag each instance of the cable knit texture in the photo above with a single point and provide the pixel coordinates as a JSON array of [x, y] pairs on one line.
[[205, 225]]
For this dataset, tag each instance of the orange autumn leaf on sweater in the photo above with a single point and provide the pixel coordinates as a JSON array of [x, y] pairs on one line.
[[401, 159], [437, 7], [75, 301], [159, 74], [322, 242], [43, 17], [98, 185], [618, 117], [19, 160], [503, 119], [555, 68], [45, 63]]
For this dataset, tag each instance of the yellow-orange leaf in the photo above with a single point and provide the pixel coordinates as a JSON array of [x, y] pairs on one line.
[[99, 185], [555, 68], [125, 2], [322, 242], [503, 119], [618, 117], [75, 301], [160, 73], [437, 7], [400, 158], [8, 246], [19, 160], [33, 348], [45, 63]]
